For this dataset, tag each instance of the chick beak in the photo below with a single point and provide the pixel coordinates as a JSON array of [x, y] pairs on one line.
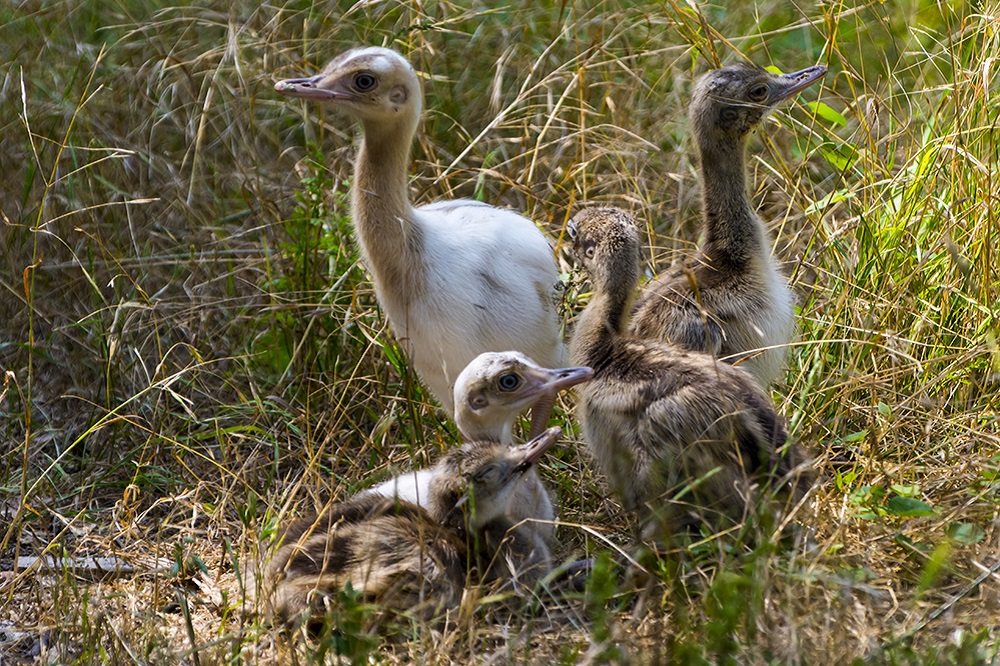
[[531, 452], [307, 88], [556, 380], [563, 378], [787, 85]]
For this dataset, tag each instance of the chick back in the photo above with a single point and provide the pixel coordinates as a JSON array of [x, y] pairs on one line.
[[391, 551]]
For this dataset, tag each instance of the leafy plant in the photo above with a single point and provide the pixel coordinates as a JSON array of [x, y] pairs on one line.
[[312, 284]]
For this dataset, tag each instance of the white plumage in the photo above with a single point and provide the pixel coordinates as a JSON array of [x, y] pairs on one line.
[[455, 278], [412, 487], [490, 393]]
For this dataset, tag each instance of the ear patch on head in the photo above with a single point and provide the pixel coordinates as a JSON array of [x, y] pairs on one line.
[[399, 95]]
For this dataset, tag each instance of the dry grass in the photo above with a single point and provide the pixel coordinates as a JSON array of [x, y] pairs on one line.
[[192, 352]]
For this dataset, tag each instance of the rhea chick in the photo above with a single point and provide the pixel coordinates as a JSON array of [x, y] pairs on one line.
[[455, 278], [731, 300], [490, 394], [681, 437], [485, 480], [409, 558], [395, 553], [488, 431]]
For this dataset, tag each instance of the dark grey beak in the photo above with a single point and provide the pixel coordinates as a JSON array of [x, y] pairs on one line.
[[533, 451], [563, 378], [787, 85], [556, 379]]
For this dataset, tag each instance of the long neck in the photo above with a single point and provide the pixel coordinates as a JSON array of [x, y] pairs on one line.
[[733, 232], [605, 318], [476, 430], [384, 219]]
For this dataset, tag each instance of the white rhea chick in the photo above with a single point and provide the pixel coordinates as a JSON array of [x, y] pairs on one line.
[[455, 278], [490, 394]]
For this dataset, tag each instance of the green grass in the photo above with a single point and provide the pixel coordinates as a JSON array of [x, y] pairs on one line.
[[192, 352]]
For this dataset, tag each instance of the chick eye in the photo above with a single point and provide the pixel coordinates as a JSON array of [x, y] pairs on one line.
[[758, 93], [485, 475], [588, 250], [364, 81], [508, 382]]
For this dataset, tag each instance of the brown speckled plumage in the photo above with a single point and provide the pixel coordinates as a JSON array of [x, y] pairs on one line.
[[730, 300], [408, 558], [395, 553], [491, 476], [680, 436]]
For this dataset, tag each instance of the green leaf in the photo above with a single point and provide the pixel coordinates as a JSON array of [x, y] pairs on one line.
[[828, 200], [908, 490], [937, 564], [840, 156], [868, 499], [844, 479], [965, 533], [852, 437], [908, 507], [915, 546], [827, 113]]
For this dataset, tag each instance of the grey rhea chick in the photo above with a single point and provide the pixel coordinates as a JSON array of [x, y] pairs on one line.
[[490, 394], [455, 278], [681, 437], [479, 486], [731, 300], [411, 558]]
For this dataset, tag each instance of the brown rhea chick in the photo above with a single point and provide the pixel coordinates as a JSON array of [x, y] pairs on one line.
[[408, 558], [731, 300], [681, 437], [478, 488], [392, 552], [490, 394]]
